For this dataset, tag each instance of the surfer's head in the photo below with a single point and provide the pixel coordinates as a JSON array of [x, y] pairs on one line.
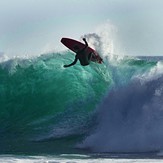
[[76, 48]]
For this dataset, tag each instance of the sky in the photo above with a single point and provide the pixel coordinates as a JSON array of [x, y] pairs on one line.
[[32, 27]]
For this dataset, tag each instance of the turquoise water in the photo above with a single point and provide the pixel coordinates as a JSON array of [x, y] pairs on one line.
[[47, 109], [41, 100]]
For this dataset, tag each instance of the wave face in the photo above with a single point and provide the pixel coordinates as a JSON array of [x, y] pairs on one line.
[[112, 107], [40, 100]]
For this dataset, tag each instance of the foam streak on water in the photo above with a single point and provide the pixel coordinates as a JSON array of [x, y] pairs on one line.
[[71, 158]]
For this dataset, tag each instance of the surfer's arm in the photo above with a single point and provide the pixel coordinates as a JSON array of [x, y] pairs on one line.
[[86, 45], [73, 63]]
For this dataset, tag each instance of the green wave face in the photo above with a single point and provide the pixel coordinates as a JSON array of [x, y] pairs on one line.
[[40, 100], [39, 95]]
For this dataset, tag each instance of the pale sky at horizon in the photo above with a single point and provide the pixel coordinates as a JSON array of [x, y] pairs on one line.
[[30, 27]]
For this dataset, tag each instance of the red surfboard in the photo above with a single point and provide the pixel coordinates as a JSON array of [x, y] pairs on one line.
[[70, 43]]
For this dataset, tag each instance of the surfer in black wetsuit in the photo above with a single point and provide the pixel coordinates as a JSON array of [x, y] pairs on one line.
[[81, 55]]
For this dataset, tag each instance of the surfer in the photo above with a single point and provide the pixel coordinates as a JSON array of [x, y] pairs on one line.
[[81, 55]]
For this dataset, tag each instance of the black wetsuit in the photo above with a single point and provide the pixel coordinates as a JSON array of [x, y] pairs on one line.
[[82, 56]]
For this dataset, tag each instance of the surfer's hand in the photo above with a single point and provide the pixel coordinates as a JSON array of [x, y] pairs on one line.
[[65, 66], [84, 39]]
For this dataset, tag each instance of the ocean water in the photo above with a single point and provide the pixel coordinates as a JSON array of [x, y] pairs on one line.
[[111, 112]]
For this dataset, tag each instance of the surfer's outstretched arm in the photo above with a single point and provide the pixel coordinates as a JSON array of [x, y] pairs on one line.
[[73, 63]]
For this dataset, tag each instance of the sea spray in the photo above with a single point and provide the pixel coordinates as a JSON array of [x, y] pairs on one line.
[[130, 117]]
